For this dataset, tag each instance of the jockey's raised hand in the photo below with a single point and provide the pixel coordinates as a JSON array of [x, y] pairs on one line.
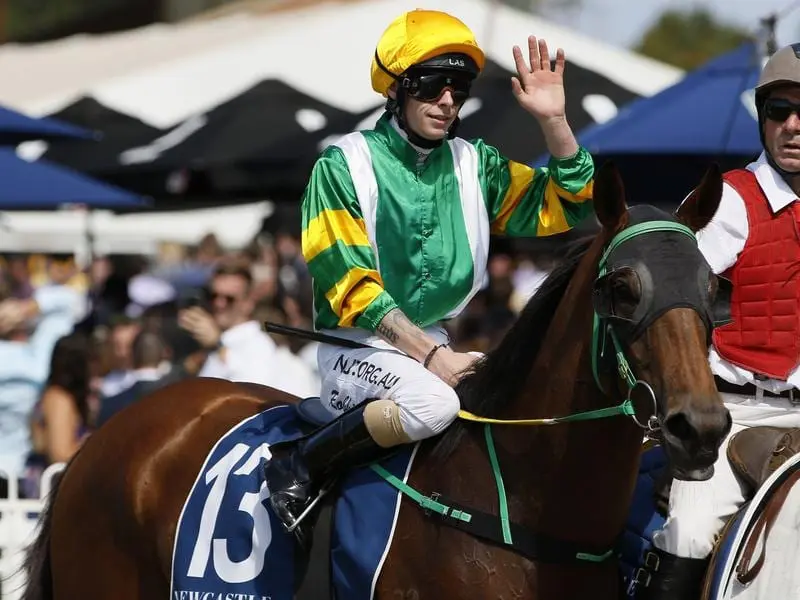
[[539, 89]]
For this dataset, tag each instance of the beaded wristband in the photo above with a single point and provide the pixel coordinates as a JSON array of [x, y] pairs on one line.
[[431, 353]]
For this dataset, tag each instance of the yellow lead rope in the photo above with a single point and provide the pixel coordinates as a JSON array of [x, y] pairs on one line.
[[468, 416]]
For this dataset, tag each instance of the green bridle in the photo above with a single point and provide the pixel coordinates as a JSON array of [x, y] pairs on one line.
[[602, 330]]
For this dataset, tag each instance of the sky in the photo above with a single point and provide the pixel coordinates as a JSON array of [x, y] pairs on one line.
[[622, 22]]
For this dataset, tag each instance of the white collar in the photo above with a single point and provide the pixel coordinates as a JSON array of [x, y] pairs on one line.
[[778, 193]]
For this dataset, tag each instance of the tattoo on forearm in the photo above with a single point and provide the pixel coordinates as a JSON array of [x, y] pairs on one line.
[[404, 324], [401, 332], [385, 330]]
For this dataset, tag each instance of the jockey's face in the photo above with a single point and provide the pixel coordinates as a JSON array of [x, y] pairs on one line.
[[431, 119], [230, 300], [782, 127]]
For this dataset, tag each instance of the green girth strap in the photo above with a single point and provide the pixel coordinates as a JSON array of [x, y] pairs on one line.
[[484, 526]]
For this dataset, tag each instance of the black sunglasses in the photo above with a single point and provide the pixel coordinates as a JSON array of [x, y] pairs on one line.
[[212, 295], [430, 87], [778, 110]]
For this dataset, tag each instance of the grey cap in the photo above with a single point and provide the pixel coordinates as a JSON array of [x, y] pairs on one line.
[[782, 67]]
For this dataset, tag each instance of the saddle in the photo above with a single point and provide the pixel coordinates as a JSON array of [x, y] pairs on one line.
[[755, 454]]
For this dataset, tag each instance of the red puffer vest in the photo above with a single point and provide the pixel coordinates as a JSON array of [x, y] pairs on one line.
[[764, 336]]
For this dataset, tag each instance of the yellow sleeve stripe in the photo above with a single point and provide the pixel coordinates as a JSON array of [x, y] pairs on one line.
[[351, 295], [582, 196], [551, 216], [330, 226], [521, 177]]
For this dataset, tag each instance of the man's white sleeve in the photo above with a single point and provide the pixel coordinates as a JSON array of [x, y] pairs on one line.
[[724, 237]]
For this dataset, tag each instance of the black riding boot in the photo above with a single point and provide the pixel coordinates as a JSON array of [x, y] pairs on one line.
[[298, 469], [671, 577]]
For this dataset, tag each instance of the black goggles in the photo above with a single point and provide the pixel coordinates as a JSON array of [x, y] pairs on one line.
[[778, 110], [430, 87]]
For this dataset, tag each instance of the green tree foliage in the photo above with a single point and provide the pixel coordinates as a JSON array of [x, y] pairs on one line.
[[32, 17], [542, 7], [687, 39]]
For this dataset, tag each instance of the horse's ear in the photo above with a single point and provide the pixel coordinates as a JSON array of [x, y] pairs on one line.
[[609, 196], [701, 205]]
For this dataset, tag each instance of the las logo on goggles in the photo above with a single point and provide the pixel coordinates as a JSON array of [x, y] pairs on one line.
[[431, 86]]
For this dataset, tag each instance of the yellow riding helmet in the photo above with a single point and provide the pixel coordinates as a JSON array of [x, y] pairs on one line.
[[416, 36]]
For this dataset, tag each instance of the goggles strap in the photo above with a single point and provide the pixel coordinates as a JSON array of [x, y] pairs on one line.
[[383, 68]]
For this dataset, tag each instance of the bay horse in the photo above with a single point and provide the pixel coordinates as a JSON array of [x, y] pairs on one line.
[[108, 528]]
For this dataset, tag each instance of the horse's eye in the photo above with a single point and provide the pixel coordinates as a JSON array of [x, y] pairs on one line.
[[626, 292]]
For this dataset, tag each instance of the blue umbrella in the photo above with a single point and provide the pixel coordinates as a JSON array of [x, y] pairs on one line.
[[42, 185], [709, 112], [16, 128]]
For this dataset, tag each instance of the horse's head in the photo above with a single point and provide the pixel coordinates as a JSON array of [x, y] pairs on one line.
[[656, 303]]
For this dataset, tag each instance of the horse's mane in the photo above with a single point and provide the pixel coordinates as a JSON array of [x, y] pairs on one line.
[[495, 379]]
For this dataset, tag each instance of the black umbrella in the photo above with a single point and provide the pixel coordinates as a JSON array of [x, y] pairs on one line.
[[104, 159], [16, 127], [262, 142], [120, 132]]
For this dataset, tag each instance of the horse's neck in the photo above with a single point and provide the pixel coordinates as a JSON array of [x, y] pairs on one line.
[[577, 478]]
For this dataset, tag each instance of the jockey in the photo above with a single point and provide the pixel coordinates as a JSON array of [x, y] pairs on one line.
[[752, 241], [396, 225]]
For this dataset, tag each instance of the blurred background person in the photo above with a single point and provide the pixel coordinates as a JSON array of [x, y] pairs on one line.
[[224, 324], [121, 334], [29, 330], [60, 420], [151, 371]]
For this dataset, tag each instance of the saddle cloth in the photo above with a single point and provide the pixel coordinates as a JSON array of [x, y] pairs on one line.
[[229, 545]]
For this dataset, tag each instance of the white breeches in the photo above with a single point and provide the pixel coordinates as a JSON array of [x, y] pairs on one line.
[[698, 509], [351, 376]]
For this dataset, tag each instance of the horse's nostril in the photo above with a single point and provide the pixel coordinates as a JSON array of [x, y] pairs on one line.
[[678, 425]]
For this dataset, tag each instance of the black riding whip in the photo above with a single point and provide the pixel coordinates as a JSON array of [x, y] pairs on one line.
[[314, 336]]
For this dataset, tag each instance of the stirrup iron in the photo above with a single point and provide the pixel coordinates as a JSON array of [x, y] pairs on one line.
[[307, 511]]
